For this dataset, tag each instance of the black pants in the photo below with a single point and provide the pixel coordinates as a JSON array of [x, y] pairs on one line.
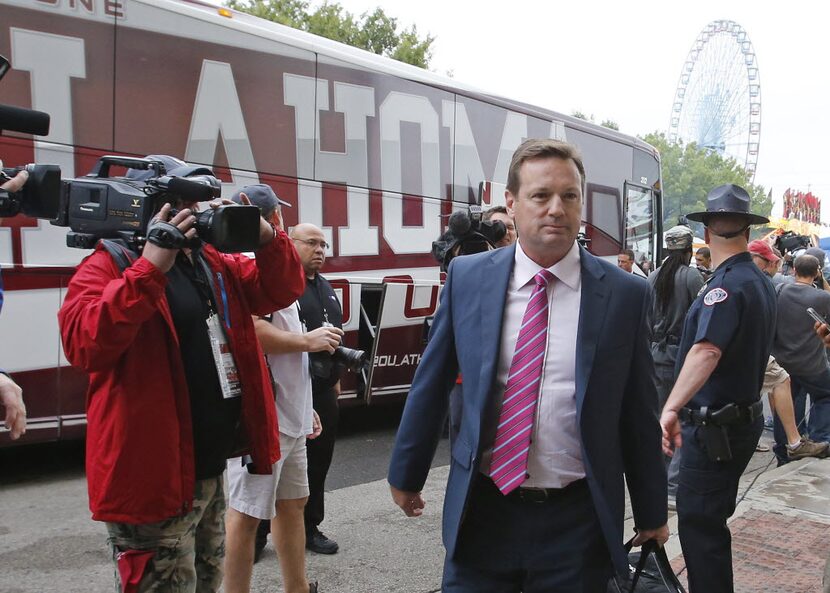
[[508, 546], [320, 451], [706, 496]]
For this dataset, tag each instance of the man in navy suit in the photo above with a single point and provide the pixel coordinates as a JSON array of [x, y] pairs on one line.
[[559, 401]]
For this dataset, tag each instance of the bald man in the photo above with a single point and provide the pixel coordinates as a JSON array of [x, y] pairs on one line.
[[319, 307]]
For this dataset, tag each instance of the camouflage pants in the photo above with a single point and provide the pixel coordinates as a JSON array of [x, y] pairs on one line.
[[189, 549]]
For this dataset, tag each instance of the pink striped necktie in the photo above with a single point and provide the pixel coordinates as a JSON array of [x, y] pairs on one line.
[[508, 466]]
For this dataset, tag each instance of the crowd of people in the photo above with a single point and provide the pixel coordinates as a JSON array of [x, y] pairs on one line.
[[586, 379]]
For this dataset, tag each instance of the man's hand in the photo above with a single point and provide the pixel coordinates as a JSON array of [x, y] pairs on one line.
[[661, 534], [16, 183], [823, 332], [324, 339], [11, 398], [163, 258], [671, 432], [316, 426], [411, 503]]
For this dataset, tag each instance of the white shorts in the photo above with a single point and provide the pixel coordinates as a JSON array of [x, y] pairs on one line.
[[257, 495], [773, 376]]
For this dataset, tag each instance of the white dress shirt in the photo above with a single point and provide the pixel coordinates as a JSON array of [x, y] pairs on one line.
[[555, 457]]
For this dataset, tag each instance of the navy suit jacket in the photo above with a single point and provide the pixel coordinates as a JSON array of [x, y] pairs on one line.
[[615, 394]]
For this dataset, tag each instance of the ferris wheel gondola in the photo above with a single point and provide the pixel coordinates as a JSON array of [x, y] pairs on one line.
[[717, 104]]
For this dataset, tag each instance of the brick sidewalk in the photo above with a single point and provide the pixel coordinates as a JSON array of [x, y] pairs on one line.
[[775, 553]]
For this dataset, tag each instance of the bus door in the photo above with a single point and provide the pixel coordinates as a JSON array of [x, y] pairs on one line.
[[641, 207], [398, 334]]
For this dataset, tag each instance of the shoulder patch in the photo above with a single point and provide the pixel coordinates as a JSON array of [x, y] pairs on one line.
[[714, 296]]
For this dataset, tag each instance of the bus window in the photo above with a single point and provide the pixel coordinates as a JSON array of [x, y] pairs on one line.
[[639, 222]]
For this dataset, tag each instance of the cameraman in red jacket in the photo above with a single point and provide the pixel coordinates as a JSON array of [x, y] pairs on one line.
[[176, 384]]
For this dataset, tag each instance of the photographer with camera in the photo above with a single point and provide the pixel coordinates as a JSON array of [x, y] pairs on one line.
[[275, 503], [319, 308], [11, 396], [177, 385], [500, 214]]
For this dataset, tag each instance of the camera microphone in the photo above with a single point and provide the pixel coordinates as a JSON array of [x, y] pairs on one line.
[[187, 189], [25, 121], [459, 223]]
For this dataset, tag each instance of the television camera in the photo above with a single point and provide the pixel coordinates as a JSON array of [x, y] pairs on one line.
[[466, 234]]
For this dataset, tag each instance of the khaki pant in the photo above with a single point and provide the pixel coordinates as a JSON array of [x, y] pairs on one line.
[[189, 550]]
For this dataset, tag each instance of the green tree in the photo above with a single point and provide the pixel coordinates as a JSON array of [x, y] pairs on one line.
[[374, 31], [690, 172], [606, 123]]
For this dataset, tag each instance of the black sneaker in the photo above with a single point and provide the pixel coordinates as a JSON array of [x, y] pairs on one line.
[[262, 531], [317, 542]]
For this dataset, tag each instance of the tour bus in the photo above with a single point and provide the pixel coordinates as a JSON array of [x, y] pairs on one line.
[[375, 152]]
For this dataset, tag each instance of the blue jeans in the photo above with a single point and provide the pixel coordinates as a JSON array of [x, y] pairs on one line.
[[818, 425]]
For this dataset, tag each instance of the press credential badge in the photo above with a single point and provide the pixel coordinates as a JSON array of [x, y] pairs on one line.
[[223, 358]]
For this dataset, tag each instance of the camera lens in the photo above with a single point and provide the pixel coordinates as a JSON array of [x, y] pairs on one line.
[[353, 360]]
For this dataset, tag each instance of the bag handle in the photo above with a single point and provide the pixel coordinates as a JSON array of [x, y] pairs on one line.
[[664, 566]]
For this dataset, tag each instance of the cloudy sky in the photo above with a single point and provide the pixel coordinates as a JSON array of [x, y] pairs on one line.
[[622, 61]]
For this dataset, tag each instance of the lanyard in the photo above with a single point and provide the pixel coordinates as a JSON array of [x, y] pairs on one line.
[[316, 283]]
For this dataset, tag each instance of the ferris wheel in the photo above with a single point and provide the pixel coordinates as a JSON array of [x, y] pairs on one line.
[[717, 104]]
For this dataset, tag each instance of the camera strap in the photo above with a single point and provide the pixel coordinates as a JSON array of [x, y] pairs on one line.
[[120, 253]]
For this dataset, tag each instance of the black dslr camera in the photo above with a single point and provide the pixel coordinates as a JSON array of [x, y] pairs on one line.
[[98, 206], [467, 233], [322, 363]]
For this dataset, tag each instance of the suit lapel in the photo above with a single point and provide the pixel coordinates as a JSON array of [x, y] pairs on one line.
[[592, 310], [495, 280]]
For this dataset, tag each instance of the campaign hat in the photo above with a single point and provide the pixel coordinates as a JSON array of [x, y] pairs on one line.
[[727, 199]]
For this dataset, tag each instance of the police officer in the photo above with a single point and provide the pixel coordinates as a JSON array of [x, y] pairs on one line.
[[726, 341], [319, 307]]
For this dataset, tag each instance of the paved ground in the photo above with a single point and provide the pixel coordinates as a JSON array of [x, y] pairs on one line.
[[782, 537], [781, 529]]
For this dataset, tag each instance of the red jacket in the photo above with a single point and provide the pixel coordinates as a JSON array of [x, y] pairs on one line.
[[118, 328]]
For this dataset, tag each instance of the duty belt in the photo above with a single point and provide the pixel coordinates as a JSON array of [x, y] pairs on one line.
[[728, 415]]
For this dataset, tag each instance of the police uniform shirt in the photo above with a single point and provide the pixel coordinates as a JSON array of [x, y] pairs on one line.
[[735, 311], [319, 305]]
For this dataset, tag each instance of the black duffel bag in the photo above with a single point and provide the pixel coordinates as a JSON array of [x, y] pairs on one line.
[[649, 572]]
